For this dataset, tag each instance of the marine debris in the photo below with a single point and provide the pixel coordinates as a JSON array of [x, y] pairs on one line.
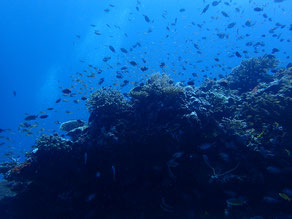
[[145, 155]]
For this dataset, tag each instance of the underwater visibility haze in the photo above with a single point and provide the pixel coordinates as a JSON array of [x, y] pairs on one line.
[[146, 109]]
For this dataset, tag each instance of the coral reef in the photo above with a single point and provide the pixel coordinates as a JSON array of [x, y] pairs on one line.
[[74, 128], [221, 150]]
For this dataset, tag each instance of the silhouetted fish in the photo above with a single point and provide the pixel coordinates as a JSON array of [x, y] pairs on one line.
[[31, 117], [146, 18], [101, 81], [124, 50], [231, 25], [257, 9], [133, 63], [66, 91], [112, 48], [44, 116], [224, 14], [162, 64], [105, 59], [215, 3], [274, 50], [238, 54], [205, 9], [144, 68]]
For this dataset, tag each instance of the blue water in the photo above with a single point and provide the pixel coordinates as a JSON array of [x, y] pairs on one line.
[[44, 43]]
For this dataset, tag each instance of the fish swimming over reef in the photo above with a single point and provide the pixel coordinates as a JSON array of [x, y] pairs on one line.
[[66, 91], [31, 117]]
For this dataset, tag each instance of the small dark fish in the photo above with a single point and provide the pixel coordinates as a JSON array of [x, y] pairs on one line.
[[50, 108], [125, 82], [221, 35], [83, 98], [182, 10], [162, 64], [278, 1], [146, 18], [44, 116], [29, 118], [195, 75], [14, 93], [78, 36], [215, 3], [124, 50], [248, 23], [112, 48], [119, 75], [58, 101], [133, 63], [66, 91], [205, 9], [274, 50], [101, 81], [224, 14], [97, 32], [196, 46], [124, 68], [238, 54], [231, 25], [144, 68], [105, 59], [257, 9], [106, 10], [2, 130]]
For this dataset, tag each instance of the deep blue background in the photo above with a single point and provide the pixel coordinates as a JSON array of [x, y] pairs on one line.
[[39, 49]]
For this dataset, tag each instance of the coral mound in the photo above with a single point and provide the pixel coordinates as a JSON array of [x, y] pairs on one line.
[[221, 150]]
